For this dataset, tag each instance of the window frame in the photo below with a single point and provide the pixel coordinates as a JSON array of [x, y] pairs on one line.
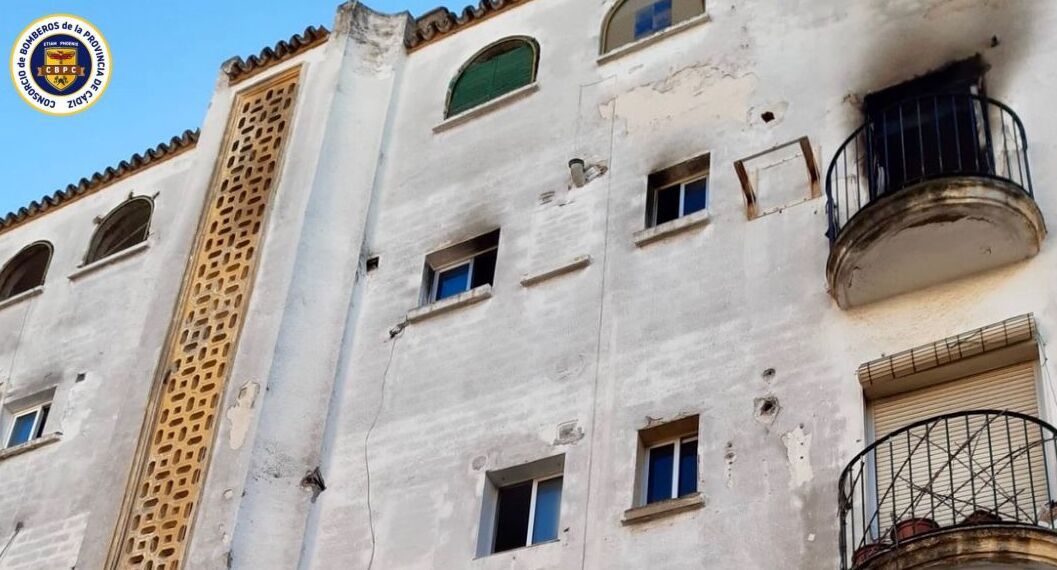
[[608, 20], [90, 256], [656, 199], [438, 271], [530, 41], [532, 511], [677, 443], [6, 271], [37, 430]]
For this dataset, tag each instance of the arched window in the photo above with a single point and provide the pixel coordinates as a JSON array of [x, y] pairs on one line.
[[25, 270], [121, 229], [498, 69], [632, 20]]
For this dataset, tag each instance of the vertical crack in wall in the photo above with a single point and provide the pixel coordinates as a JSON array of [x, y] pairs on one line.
[[176, 444]]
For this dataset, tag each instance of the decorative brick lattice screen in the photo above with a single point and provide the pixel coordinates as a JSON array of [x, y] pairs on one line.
[[178, 438]]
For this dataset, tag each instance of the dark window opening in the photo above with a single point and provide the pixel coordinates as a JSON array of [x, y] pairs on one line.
[[25, 271], [512, 516], [931, 125], [123, 228]]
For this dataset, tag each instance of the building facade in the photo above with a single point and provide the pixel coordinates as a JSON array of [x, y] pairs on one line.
[[558, 284]]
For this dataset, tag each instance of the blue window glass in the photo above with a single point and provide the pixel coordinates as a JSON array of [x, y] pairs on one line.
[[452, 282], [22, 431], [659, 480], [695, 196], [653, 18], [548, 506], [687, 468]]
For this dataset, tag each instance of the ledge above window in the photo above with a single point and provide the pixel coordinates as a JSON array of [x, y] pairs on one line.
[[30, 445], [651, 39], [487, 107], [470, 297], [661, 509], [578, 262], [16, 299], [671, 228], [108, 260]]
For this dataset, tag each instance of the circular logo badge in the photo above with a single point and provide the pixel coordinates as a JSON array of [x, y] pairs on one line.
[[60, 64]]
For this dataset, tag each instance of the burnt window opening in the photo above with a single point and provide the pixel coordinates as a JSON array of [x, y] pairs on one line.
[[124, 227], [932, 125], [372, 263], [677, 191], [461, 267], [25, 271]]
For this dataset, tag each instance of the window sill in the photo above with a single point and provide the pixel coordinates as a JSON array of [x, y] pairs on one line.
[[108, 260], [30, 445], [668, 229], [28, 294], [518, 549], [470, 297], [574, 264], [650, 40], [663, 509], [485, 108]]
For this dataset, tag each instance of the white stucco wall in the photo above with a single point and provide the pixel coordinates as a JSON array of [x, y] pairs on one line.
[[109, 326], [686, 325]]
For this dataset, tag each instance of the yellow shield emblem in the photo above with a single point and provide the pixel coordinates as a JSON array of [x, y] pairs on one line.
[[60, 68]]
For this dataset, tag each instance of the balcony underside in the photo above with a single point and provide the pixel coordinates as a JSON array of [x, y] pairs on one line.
[[994, 547], [930, 233]]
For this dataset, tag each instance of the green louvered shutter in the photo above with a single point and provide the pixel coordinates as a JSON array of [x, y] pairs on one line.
[[487, 79], [473, 87], [513, 69]]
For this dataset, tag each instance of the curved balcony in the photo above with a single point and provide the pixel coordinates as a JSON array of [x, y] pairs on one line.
[[929, 190], [960, 489]]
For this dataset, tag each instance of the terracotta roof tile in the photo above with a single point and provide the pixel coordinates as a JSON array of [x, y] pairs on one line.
[[164, 151], [440, 23], [238, 69]]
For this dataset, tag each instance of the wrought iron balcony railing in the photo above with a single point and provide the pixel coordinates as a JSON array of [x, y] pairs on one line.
[[921, 139], [952, 471]]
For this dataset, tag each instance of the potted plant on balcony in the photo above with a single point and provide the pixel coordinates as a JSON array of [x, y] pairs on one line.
[[867, 551], [981, 516], [909, 528]]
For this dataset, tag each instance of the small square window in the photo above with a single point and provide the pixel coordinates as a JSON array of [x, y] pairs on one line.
[[677, 191], [462, 267], [27, 425], [522, 506], [667, 461]]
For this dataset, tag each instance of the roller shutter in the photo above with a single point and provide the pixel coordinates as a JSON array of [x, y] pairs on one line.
[[953, 463]]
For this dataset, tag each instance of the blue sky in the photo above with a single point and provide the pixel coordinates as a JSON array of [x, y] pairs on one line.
[[166, 57]]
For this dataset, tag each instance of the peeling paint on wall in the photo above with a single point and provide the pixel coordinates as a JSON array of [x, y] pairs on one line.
[[704, 91], [241, 414], [798, 452]]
